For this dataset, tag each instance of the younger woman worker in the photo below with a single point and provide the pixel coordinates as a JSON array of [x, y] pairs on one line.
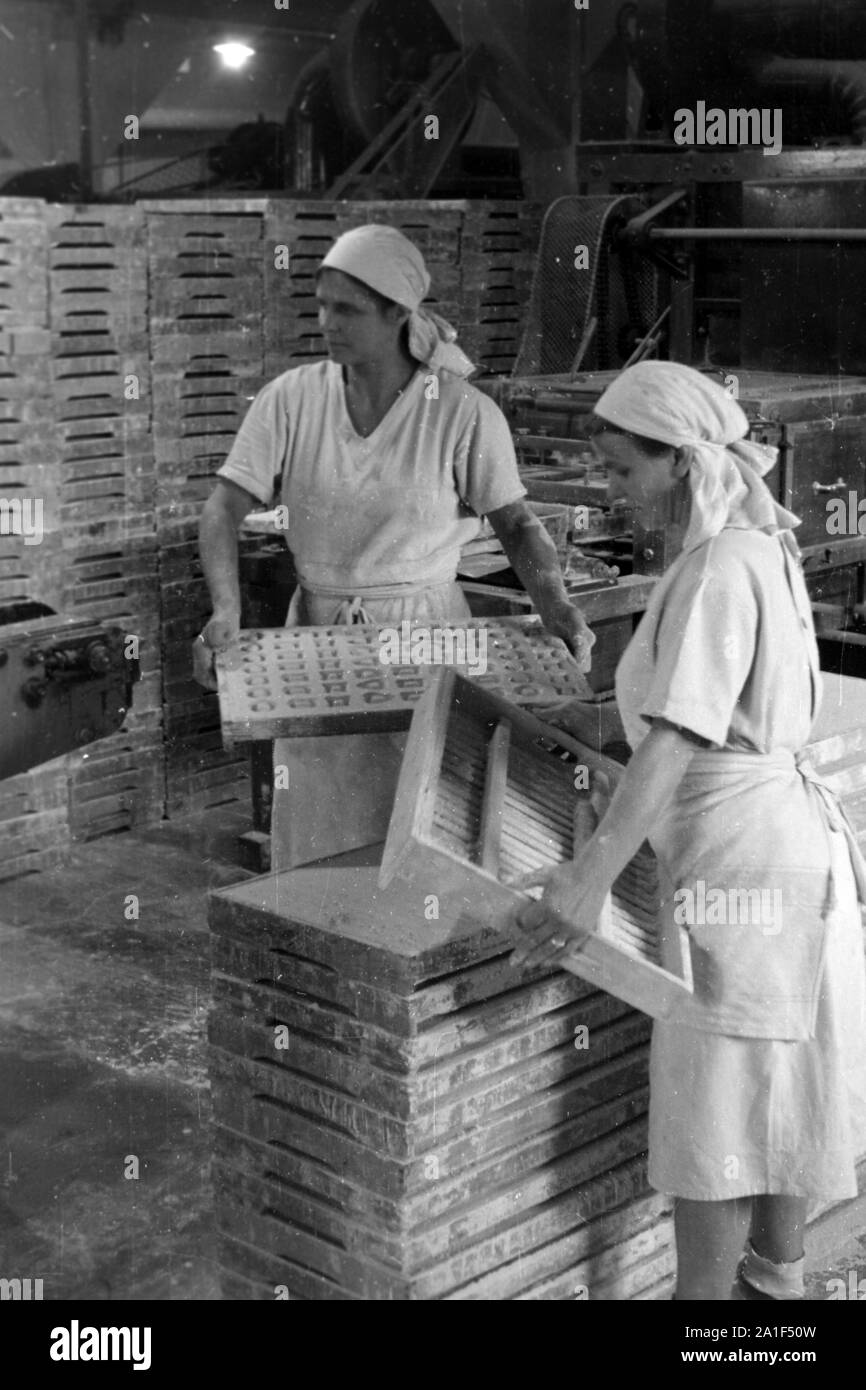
[[758, 1083], [387, 457]]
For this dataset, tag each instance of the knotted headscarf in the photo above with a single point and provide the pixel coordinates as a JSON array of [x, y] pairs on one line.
[[677, 405], [387, 261]]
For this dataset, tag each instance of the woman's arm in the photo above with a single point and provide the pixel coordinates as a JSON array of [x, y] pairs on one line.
[[574, 892], [221, 518], [532, 555]]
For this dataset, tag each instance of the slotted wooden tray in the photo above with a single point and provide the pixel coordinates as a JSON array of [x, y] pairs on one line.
[[309, 681], [485, 797]]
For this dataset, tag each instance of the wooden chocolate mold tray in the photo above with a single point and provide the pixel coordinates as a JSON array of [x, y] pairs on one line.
[[306, 681], [485, 798]]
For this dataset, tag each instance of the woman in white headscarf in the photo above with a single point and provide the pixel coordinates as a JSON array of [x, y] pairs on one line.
[[758, 1083], [386, 458]]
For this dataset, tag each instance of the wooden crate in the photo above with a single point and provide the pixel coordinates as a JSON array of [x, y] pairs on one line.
[[200, 772], [36, 842], [100, 370], [34, 828], [188, 793], [28, 441], [122, 579], [34, 832], [83, 286], [498, 251], [185, 606], [23, 264], [205, 271], [118, 782], [203, 385], [205, 314], [207, 350], [32, 572], [195, 401], [484, 798]]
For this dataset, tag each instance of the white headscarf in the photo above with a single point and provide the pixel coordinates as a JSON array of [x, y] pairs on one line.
[[389, 262], [679, 406]]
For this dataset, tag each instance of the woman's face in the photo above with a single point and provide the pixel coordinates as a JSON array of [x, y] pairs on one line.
[[356, 330], [643, 480]]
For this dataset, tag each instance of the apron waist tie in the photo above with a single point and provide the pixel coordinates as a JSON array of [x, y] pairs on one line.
[[836, 818], [351, 608], [830, 807]]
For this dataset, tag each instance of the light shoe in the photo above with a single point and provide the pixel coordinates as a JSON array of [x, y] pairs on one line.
[[762, 1281]]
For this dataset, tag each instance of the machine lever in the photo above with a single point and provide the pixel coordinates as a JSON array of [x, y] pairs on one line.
[[637, 226]]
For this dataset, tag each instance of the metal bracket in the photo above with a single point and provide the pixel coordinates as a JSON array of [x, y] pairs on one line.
[[635, 235]]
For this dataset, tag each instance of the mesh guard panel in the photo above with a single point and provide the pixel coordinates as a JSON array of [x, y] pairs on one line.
[[620, 289]]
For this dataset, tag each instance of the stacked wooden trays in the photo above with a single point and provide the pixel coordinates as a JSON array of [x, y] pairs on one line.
[[28, 475], [499, 243], [23, 262], [119, 781], [401, 1115], [100, 373], [34, 819], [200, 771], [34, 825], [205, 311]]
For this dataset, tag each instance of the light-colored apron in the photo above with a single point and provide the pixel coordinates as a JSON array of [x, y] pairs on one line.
[[745, 852], [341, 788], [749, 832]]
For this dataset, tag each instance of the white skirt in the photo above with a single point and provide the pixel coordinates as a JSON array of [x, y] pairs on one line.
[[738, 1117]]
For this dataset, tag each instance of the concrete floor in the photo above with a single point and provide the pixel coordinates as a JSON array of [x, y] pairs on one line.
[[102, 1060], [102, 1057]]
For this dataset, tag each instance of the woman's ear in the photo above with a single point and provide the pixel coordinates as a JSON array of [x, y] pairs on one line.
[[680, 466]]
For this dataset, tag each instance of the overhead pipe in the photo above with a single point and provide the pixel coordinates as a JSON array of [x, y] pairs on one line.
[[756, 234]]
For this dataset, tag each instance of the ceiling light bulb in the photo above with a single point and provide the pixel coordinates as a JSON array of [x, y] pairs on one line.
[[234, 55]]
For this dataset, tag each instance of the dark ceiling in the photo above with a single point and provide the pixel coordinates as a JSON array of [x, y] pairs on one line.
[[302, 16]]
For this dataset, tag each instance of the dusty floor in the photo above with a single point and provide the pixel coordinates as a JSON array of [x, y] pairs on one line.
[[102, 1061], [103, 1073]]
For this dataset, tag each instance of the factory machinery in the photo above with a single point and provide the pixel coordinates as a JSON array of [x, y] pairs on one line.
[[744, 264], [66, 682]]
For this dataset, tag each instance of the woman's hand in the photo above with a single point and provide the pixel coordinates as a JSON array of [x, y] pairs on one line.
[[574, 893], [595, 724], [559, 924], [220, 633], [565, 620], [581, 718]]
